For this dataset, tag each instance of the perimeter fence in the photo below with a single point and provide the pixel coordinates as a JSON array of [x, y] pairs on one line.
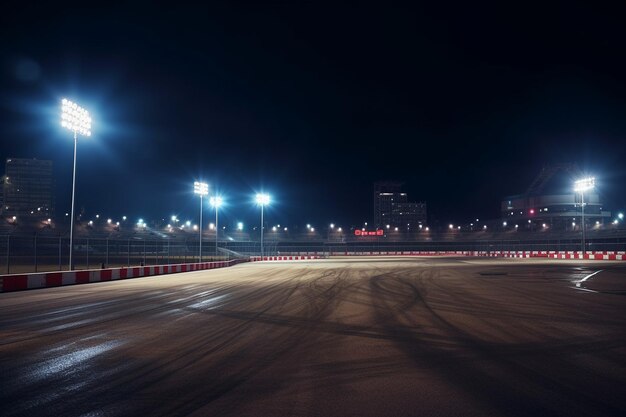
[[35, 253], [21, 254]]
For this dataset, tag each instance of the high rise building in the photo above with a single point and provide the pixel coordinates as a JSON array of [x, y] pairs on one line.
[[391, 207], [27, 188]]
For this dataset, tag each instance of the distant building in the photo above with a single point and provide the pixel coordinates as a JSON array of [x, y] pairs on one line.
[[391, 207], [550, 202], [27, 188]]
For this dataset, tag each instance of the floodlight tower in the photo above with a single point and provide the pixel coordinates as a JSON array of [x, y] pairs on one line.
[[581, 186], [202, 189], [262, 200], [216, 202], [76, 119]]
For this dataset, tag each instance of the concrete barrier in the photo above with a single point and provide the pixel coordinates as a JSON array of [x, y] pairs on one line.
[[19, 282], [591, 255], [284, 258]]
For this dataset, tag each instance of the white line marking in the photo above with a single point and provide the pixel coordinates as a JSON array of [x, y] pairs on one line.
[[587, 277], [583, 289]]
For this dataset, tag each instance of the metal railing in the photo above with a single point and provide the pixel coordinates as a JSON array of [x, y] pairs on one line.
[[22, 254], [37, 253]]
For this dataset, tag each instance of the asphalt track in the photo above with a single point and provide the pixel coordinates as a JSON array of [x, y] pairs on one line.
[[339, 337]]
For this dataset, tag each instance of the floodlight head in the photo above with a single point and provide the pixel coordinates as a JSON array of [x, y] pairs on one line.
[[75, 118], [216, 201], [584, 184], [262, 199], [201, 188]]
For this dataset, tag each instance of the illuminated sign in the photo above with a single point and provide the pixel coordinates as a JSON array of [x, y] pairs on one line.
[[368, 233]]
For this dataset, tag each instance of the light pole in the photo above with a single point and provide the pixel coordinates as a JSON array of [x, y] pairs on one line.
[[581, 186], [262, 200], [202, 189], [216, 202], [76, 119]]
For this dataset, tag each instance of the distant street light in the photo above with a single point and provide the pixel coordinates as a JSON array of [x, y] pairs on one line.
[[76, 119], [581, 186], [262, 200], [202, 189], [216, 202]]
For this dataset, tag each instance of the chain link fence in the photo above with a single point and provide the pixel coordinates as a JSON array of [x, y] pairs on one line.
[[22, 254], [34, 253]]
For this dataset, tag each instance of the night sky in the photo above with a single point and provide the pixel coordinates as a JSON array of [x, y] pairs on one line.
[[313, 103]]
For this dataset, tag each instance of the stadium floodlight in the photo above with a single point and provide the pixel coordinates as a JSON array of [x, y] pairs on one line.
[[76, 119], [202, 189], [581, 186], [262, 200], [216, 202], [584, 184]]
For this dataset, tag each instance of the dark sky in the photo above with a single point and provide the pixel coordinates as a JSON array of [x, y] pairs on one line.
[[313, 103]]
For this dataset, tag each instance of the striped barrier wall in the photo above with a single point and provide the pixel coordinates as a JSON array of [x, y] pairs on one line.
[[19, 282], [592, 255], [284, 258]]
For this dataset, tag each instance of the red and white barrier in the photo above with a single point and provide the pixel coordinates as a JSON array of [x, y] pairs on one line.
[[55, 279], [592, 255], [284, 258]]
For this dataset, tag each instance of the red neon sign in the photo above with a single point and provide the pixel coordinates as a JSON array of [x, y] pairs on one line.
[[358, 232]]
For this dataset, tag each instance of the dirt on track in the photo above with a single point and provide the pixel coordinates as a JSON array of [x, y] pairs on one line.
[[345, 337]]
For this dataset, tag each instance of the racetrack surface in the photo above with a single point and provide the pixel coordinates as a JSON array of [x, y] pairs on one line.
[[345, 337]]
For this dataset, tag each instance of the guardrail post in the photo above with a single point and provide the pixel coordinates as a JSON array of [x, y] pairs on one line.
[[60, 252], [36, 265], [8, 254]]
